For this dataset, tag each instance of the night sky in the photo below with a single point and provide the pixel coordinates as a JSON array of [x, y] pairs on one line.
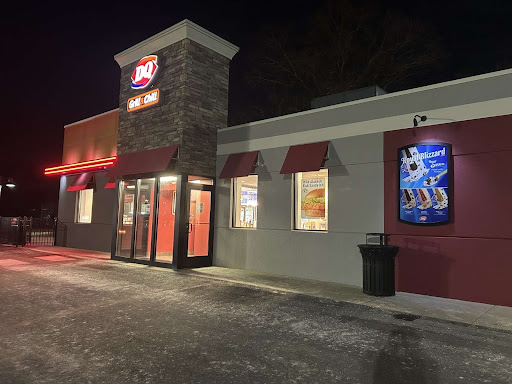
[[58, 66]]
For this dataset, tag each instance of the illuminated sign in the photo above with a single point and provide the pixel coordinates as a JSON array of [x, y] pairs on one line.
[[90, 165], [144, 72], [424, 175], [143, 101]]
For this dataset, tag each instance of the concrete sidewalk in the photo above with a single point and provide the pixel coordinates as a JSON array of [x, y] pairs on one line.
[[479, 314], [486, 315], [70, 252]]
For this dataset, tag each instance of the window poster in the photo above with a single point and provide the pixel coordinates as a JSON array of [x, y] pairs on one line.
[[313, 203], [145, 208], [424, 176], [249, 196], [311, 200]]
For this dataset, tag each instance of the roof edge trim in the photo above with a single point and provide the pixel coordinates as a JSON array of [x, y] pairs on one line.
[[185, 29]]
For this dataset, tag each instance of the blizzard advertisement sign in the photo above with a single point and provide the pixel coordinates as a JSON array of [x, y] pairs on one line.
[[424, 176]]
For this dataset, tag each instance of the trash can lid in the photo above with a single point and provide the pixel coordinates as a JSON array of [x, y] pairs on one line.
[[383, 237]]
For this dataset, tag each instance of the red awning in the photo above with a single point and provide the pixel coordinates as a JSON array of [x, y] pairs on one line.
[[305, 157], [111, 183], [81, 182], [239, 165], [154, 160]]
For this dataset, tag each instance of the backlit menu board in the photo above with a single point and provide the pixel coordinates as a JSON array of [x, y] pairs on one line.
[[424, 174]]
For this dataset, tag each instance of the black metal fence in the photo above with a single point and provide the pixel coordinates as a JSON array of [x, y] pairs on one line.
[[21, 231]]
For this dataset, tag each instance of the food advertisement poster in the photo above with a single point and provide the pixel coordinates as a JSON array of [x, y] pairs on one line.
[[424, 174], [313, 198]]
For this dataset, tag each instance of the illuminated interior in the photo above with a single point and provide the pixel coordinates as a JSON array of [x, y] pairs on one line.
[[125, 219], [166, 219], [84, 206], [245, 202], [198, 223], [144, 222]]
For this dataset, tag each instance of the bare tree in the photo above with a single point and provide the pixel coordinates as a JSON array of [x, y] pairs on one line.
[[342, 47]]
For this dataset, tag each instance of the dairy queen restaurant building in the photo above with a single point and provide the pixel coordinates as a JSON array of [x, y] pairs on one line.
[[163, 181]]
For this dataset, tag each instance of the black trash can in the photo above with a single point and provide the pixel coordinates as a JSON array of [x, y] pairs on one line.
[[21, 239], [378, 266]]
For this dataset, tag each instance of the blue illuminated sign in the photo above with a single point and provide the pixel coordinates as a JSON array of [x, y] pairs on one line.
[[424, 174]]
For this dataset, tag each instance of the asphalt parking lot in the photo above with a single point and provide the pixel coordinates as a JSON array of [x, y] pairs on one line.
[[78, 320]]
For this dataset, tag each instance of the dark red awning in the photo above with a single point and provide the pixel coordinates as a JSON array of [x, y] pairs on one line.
[[81, 182], [239, 165], [154, 160], [305, 157], [111, 183]]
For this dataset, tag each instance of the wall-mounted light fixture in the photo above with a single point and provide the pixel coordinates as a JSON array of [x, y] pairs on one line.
[[10, 183], [417, 118]]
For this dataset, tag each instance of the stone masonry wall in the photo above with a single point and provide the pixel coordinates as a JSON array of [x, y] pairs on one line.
[[193, 82]]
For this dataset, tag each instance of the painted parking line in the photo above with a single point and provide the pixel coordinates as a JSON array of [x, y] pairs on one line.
[[11, 262], [54, 258]]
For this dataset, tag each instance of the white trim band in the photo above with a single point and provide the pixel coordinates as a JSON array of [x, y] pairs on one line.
[[183, 30], [491, 108], [465, 80]]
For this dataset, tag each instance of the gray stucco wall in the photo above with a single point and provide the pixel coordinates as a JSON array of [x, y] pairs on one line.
[[356, 206], [96, 235]]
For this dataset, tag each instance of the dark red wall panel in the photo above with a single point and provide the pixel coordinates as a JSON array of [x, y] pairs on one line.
[[457, 268], [492, 134], [481, 198], [471, 257]]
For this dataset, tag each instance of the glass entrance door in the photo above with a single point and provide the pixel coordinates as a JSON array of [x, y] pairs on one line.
[[165, 220], [144, 219], [199, 226]]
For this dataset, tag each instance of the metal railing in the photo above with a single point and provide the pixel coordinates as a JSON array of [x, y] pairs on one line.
[[21, 231]]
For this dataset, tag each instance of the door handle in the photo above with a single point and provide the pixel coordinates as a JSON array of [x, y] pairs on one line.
[[189, 227]]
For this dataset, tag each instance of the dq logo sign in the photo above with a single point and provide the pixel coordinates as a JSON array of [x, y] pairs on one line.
[[144, 72]]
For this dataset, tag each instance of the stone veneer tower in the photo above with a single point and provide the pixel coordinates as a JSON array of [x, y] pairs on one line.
[[193, 80]]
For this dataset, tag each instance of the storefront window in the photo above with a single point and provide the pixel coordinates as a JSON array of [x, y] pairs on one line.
[[84, 206], [125, 219], [311, 196], [166, 219], [245, 202], [144, 221]]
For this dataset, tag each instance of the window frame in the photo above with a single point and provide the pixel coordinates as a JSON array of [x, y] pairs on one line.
[[235, 206], [78, 211]]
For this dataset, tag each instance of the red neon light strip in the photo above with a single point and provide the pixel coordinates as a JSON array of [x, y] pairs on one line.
[[81, 163], [81, 168], [98, 163]]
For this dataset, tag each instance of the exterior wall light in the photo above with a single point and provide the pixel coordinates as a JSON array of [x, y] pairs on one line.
[[417, 118], [9, 183]]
